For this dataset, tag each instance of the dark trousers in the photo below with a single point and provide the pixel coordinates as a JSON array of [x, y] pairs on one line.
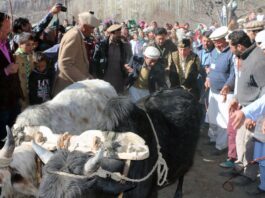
[[7, 118]]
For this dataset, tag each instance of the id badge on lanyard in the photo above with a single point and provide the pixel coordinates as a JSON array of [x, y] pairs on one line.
[[212, 66]]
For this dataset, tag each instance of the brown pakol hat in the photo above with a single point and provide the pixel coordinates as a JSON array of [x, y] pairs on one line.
[[114, 28], [254, 25]]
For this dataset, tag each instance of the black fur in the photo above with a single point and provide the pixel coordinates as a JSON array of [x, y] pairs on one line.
[[59, 186], [175, 115]]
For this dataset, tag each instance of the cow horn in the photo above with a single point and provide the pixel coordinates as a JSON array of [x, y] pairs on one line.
[[92, 163], [43, 153], [8, 148]]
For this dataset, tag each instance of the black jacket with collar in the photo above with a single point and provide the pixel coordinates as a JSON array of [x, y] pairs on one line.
[[156, 78], [10, 90], [100, 57]]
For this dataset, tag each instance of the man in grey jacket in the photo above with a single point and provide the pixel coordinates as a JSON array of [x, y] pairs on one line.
[[251, 86]]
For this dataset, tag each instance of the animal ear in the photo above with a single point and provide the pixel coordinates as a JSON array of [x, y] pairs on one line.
[[43, 153], [110, 186], [16, 177]]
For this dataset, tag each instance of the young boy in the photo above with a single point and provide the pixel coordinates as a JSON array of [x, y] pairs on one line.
[[39, 80], [23, 57]]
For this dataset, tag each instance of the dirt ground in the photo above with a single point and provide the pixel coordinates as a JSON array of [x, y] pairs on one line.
[[203, 180]]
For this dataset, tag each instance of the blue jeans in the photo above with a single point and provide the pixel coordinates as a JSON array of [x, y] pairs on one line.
[[7, 117], [262, 177]]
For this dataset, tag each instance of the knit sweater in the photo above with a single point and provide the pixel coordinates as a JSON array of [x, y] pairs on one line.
[[251, 82], [222, 70]]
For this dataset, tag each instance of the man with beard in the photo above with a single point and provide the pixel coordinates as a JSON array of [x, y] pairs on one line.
[[252, 28], [220, 80], [187, 65], [166, 47], [110, 57], [250, 86]]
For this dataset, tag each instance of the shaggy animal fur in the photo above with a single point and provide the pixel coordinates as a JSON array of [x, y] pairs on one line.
[[77, 108], [175, 115]]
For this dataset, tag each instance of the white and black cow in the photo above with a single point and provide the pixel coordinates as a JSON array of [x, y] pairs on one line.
[[176, 118], [75, 109]]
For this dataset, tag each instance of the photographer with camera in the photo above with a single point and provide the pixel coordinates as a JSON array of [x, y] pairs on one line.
[[23, 25]]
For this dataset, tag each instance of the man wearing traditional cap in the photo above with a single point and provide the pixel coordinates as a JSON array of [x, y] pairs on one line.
[[220, 80], [260, 40], [253, 27], [73, 61], [145, 74], [110, 57], [186, 65]]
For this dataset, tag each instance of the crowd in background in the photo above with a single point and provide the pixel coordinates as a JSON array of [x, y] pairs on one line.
[[223, 69]]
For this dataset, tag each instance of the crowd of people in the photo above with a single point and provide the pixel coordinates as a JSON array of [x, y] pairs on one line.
[[222, 69]]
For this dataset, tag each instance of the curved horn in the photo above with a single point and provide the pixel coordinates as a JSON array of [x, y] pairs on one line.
[[92, 163], [8, 148], [43, 153]]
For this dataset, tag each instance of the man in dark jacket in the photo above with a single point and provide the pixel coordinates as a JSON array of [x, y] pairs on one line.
[[146, 75], [110, 57], [187, 65], [166, 47], [10, 90]]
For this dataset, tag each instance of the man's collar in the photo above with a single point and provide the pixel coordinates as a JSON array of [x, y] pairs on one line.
[[224, 50], [82, 35], [245, 54]]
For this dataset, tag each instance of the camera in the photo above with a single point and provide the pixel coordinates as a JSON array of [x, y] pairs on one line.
[[63, 8]]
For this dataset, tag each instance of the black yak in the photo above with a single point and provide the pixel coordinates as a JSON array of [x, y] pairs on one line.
[[175, 115]]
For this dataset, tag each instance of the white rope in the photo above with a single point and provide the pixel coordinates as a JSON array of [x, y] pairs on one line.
[[5, 162], [162, 169], [160, 165]]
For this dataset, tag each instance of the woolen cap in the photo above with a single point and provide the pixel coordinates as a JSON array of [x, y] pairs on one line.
[[183, 43], [254, 25], [114, 28], [219, 33], [152, 52], [148, 30], [260, 39], [89, 19]]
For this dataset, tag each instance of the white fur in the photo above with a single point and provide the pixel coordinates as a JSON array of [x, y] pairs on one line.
[[132, 146], [76, 109], [24, 163]]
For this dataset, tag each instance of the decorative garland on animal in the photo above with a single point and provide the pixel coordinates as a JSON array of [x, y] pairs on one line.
[[160, 165]]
